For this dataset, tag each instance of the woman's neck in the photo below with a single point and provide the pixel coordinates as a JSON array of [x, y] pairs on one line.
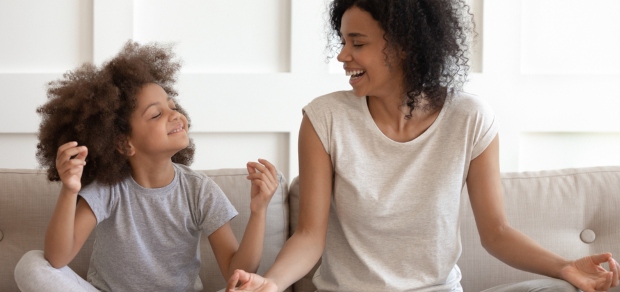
[[152, 173], [391, 116]]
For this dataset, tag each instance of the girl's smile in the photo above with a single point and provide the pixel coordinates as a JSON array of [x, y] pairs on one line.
[[177, 129], [158, 129]]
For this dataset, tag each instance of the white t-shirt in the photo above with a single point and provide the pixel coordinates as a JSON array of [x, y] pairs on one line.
[[394, 216]]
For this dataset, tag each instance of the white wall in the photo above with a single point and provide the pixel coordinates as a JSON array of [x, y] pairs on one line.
[[548, 68]]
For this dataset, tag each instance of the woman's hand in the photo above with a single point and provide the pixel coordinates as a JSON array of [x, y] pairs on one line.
[[264, 184], [70, 161], [587, 274], [250, 282]]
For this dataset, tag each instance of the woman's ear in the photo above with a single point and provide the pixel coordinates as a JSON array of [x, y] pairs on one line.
[[124, 147], [402, 55]]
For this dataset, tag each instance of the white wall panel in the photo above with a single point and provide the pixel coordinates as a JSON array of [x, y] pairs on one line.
[[234, 150], [568, 103], [251, 102], [18, 151], [570, 37], [112, 27], [21, 94], [213, 150], [44, 36], [530, 94], [250, 66], [568, 150], [217, 36]]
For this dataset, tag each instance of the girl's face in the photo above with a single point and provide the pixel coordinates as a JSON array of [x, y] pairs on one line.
[[364, 57], [158, 129]]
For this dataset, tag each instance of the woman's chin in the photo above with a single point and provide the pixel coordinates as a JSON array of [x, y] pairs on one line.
[[359, 92]]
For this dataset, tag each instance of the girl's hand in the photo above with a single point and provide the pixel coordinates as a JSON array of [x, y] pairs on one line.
[[264, 184], [70, 162], [587, 274], [249, 282]]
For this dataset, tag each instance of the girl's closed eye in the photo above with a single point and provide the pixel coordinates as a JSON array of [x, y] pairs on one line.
[[156, 116]]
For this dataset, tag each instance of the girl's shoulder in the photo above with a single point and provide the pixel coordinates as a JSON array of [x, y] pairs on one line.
[[191, 178]]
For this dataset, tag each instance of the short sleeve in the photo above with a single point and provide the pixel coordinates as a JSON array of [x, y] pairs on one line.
[[215, 209], [485, 129], [100, 198], [319, 113]]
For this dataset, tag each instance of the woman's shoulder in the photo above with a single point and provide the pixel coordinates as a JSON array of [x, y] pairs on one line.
[[338, 101], [468, 103], [334, 98]]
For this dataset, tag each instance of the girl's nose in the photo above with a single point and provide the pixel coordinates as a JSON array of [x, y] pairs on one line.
[[175, 115]]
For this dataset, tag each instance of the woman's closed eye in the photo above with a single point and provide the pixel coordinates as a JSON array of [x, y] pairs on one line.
[[342, 44]]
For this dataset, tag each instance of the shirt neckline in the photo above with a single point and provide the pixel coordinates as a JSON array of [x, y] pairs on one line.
[[155, 191], [421, 137]]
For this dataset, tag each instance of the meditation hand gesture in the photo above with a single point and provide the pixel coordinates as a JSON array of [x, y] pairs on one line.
[[587, 274], [264, 180], [70, 162], [249, 282]]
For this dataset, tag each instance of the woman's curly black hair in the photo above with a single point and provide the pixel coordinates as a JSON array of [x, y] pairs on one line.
[[434, 35], [93, 106]]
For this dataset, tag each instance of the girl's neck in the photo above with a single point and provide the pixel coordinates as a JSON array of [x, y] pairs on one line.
[[151, 173]]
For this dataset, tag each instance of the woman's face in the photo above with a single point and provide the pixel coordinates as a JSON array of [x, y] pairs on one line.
[[364, 57], [158, 129]]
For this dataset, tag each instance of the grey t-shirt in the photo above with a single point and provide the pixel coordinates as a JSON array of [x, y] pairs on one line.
[[394, 216], [148, 239]]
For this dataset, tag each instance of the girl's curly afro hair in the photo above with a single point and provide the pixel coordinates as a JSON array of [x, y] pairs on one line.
[[434, 35], [93, 105]]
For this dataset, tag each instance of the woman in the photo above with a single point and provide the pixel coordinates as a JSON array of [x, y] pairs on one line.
[[382, 166]]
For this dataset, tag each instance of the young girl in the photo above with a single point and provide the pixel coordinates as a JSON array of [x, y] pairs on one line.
[[382, 167], [119, 143]]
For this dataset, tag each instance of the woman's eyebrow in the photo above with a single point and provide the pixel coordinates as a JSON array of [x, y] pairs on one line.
[[356, 34]]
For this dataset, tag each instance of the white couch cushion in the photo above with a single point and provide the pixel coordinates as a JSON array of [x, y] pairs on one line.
[[554, 208]]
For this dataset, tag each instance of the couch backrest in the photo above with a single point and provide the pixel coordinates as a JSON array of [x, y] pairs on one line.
[[572, 212], [237, 188], [27, 201], [560, 209]]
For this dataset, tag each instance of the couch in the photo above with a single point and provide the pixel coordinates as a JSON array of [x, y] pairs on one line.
[[573, 212]]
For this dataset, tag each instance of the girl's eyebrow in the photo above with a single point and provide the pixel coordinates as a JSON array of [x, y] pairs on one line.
[[152, 104], [148, 106]]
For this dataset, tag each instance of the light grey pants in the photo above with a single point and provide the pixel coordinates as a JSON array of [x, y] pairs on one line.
[[34, 273], [542, 285]]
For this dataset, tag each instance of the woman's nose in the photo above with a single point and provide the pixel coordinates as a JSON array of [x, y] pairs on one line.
[[344, 55]]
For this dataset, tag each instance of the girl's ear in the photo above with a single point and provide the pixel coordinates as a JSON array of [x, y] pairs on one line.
[[124, 147]]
